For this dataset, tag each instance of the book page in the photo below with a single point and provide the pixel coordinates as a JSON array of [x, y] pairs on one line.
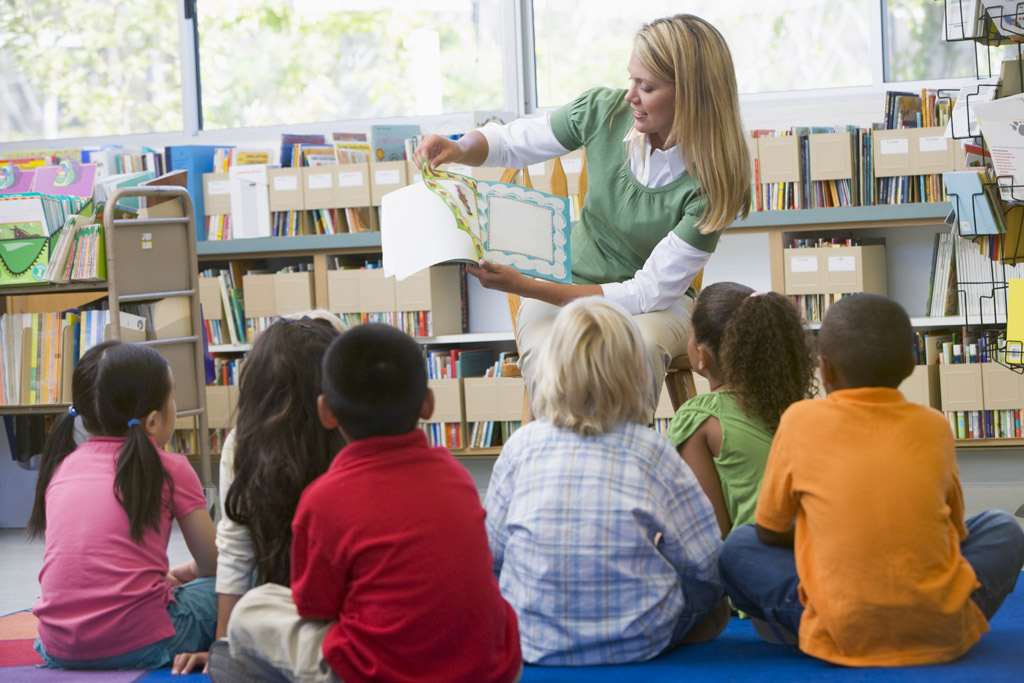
[[525, 229], [418, 230]]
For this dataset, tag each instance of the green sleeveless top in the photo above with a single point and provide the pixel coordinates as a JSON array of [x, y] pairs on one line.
[[745, 445], [622, 219]]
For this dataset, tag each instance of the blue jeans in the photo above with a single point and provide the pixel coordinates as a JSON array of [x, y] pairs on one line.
[[194, 617], [762, 580]]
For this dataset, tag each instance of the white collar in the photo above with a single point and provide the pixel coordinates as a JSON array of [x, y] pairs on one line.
[[646, 160]]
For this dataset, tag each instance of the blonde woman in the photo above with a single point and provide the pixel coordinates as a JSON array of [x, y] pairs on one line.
[[668, 170], [603, 541]]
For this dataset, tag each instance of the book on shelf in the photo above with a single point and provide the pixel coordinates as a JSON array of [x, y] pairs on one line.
[[962, 17], [69, 178], [1002, 125], [195, 160], [14, 179], [1015, 322], [973, 202], [388, 141], [453, 218], [250, 200]]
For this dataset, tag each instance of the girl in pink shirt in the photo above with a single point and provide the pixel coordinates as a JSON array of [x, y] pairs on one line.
[[109, 599]]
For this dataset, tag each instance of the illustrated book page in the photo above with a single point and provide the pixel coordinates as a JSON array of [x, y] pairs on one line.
[[452, 217]]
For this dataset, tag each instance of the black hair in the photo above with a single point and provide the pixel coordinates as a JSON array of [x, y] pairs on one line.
[[761, 346], [60, 442], [869, 340], [132, 381], [280, 445], [375, 379]]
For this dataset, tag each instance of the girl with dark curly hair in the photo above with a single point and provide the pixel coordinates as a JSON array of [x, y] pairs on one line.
[[754, 351]]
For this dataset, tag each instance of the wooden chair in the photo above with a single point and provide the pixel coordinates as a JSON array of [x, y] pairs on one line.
[[679, 375]]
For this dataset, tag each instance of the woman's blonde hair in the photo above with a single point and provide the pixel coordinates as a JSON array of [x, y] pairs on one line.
[[692, 54], [593, 372]]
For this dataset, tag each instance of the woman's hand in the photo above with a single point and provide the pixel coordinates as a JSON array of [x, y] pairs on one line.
[[499, 277], [184, 662], [436, 150]]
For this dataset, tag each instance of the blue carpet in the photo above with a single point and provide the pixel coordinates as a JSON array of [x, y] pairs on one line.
[[739, 655], [736, 655]]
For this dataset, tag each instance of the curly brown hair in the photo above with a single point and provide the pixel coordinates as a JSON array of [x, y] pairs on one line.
[[761, 345]]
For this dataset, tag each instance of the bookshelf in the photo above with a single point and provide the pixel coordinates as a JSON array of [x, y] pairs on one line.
[[147, 260]]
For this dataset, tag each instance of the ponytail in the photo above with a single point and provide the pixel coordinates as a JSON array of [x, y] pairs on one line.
[[766, 357], [133, 381], [59, 444], [139, 481]]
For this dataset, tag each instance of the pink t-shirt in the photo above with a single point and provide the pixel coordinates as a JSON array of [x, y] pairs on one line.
[[102, 593]]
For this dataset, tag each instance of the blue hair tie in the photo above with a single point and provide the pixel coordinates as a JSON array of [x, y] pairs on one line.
[[72, 412], [132, 422]]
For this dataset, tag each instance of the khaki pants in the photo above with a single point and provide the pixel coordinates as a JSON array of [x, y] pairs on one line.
[[267, 635], [666, 333]]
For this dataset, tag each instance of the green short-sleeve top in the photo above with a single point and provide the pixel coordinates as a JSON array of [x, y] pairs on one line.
[[622, 219], [745, 445]]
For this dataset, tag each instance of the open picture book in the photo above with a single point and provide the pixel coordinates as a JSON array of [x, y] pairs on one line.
[[451, 218]]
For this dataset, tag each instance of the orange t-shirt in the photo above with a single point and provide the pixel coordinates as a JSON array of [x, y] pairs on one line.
[[873, 484]]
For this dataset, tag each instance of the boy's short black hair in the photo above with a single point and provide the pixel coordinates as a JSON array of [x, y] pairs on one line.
[[869, 340], [374, 381]]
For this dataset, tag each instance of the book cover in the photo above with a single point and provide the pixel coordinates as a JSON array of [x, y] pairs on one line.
[[388, 142], [452, 217], [975, 213], [67, 179], [196, 160], [14, 179]]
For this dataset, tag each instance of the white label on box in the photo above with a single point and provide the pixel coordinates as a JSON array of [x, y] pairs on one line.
[[389, 177], [537, 169], [461, 170], [895, 146], [319, 181], [572, 165], [286, 183], [147, 240], [932, 143], [804, 264], [837, 264], [350, 179], [218, 187]]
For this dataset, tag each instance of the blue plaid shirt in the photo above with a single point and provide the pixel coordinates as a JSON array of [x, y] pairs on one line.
[[590, 536]]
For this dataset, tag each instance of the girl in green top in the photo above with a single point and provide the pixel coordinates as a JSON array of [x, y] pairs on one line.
[[756, 355], [668, 169]]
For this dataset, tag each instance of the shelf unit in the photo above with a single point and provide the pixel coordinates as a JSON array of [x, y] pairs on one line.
[[147, 259], [320, 248]]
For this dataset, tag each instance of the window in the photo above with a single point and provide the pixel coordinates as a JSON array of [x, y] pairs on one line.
[[916, 50], [74, 68], [776, 44], [286, 62]]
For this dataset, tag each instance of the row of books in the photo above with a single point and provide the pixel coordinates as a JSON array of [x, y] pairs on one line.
[[957, 348], [38, 351], [456, 363], [490, 433], [813, 307]]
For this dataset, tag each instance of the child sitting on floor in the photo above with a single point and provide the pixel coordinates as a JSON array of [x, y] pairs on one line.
[[602, 538], [391, 575], [754, 351], [880, 568], [109, 599]]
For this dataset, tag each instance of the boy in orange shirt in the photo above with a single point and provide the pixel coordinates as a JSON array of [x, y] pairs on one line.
[[882, 570]]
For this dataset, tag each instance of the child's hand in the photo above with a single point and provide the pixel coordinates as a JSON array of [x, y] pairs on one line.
[[183, 573], [185, 662]]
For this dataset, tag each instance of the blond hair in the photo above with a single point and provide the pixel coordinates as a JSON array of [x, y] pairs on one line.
[[593, 370], [689, 52], [319, 314]]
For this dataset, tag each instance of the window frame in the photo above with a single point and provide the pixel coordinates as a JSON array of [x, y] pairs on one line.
[[854, 105]]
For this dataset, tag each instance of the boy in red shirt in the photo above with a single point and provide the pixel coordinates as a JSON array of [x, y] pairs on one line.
[[391, 573]]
